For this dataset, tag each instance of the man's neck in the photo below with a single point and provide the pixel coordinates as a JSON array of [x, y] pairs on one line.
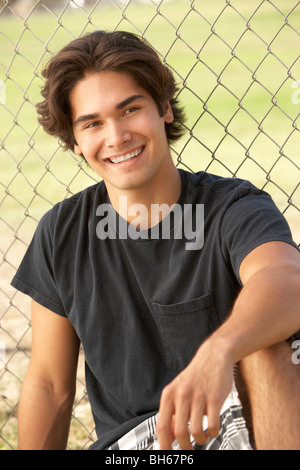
[[149, 204]]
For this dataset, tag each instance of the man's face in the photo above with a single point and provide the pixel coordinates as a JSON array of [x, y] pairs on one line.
[[118, 129]]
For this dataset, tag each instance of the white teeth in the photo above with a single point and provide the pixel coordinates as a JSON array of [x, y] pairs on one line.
[[122, 158]]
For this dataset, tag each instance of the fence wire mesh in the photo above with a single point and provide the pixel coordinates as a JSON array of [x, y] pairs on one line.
[[238, 67]]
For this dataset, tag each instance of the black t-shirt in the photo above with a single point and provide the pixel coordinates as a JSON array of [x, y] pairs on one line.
[[142, 305]]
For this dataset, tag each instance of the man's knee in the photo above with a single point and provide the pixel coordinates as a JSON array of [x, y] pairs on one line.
[[266, 363], [259, 372]]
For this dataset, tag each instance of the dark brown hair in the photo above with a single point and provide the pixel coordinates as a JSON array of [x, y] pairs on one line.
[[117, 51]]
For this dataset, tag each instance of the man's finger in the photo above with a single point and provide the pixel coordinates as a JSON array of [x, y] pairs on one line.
[[164, 426], [181, 429], [196, 426], [213, 418]]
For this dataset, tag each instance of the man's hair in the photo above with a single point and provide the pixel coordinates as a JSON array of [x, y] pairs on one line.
[[100, 51]]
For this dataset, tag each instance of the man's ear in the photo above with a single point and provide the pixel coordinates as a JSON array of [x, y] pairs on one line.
[[168, 116], [77, 149]]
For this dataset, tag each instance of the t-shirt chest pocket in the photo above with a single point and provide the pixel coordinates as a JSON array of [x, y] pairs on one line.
[[183, 327]]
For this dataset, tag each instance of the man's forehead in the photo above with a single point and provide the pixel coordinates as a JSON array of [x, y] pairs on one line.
[[113, 90], [109, 82]]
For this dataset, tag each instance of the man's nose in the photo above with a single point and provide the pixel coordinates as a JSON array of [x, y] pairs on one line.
[[116, 135]]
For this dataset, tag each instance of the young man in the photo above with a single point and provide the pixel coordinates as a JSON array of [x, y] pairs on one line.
[[169, 279]]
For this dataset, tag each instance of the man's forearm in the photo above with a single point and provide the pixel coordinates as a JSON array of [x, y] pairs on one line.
[[43, 417], [266, 312]]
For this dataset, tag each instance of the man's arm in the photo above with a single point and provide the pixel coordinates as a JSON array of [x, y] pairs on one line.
[[49, 386], [267, 311]]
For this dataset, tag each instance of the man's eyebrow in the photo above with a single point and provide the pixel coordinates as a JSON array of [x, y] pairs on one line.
[[128, 100], [86, 117], [121, 105]]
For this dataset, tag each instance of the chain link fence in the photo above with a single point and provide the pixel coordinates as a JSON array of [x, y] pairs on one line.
[[238, 67]]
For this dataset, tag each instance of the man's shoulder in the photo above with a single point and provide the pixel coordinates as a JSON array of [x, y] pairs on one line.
[[86, 195], [204, 181], [69, 209]]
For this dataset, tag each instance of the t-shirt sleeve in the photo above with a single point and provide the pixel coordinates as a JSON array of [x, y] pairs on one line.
[[35, 276], [249, 222]]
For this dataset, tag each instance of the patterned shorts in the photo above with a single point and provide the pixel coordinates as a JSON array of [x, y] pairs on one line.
[[233, 432]]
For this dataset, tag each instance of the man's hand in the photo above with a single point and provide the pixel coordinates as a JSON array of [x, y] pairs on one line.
[[199, 390]]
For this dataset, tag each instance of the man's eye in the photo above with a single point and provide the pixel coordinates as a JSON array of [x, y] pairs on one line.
[[131, 110], [93, 124]]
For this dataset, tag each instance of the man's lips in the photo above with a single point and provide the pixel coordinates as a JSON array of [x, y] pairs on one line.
[[126, 156]]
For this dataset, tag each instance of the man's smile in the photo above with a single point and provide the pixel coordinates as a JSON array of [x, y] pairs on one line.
[[126, 156]]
